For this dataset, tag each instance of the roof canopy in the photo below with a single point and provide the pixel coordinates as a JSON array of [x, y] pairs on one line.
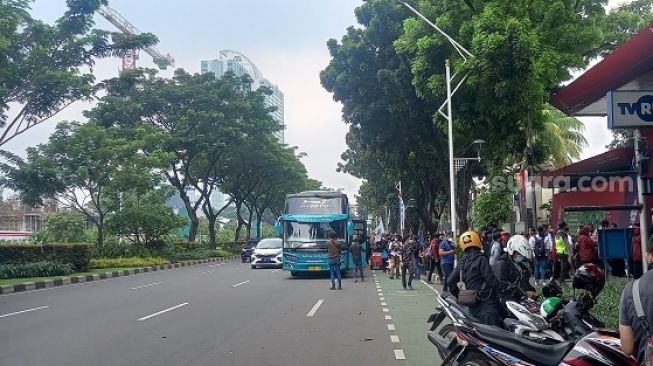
[[617, 162], [629, 67]]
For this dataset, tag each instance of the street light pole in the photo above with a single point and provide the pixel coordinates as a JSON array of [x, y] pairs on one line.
[[452, 173], [463, 54]]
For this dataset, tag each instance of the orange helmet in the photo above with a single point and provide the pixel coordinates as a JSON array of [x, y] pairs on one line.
[[469, 239]]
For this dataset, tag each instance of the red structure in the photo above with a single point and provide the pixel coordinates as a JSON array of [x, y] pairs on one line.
[[603, 186]]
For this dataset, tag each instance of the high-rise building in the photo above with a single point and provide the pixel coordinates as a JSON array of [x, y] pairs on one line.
[[239, 65]]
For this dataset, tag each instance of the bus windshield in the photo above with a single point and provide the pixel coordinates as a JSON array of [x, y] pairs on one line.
[[311, 235]]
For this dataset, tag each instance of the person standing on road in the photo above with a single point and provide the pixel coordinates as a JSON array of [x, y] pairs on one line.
[[394, 258], [356, 255], [587, 248], [434, 248], [409, 258], [496, 250], [447, 257], [333, 250], [540, 255]]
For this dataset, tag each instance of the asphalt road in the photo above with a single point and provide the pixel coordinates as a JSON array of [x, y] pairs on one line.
[[213, 314]]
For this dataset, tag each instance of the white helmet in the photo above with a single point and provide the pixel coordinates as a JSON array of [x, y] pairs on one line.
[[519, 244]]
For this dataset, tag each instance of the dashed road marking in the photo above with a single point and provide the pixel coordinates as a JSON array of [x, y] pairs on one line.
[[276, 270], [382, 298], [241, 283], [386, 310], [162, 311], [384, 304], [391, 327], [388, 317], [399, 354], [314, 308], [394, 338], [207, 272], [24, 311], [148, 285]]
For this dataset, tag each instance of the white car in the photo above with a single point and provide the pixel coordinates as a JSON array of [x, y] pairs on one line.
[[267, 254]]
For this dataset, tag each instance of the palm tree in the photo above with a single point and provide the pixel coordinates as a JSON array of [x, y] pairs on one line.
[[561, 137]]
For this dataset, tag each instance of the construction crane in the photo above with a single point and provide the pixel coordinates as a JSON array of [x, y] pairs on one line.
[[130, 57]]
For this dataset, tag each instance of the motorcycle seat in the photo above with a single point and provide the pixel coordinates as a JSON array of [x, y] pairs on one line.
[[537, 353]]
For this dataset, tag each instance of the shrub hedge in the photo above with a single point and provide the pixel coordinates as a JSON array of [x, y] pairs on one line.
[[192, 254], [36, 269], [98, 263], [77, 255]]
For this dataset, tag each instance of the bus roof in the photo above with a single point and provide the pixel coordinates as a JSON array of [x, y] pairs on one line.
[[316, 194]]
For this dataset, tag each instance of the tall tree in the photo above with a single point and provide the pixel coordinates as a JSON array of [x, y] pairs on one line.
[[82, 166], [391, 134], [45, 68], [196, 116]]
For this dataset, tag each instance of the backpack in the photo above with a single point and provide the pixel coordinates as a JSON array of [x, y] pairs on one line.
[[539, 250], [648, 354]]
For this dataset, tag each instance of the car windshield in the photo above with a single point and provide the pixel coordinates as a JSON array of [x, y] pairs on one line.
[[269, 244], [311, 234]]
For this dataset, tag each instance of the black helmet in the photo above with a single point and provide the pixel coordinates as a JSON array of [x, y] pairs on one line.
[[589, 277], [551, 289]]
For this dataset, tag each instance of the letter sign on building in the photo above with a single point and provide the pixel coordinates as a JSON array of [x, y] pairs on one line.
[[630, 108]]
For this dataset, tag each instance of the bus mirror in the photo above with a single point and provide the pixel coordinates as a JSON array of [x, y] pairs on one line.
[[277, 228], [350, 228]]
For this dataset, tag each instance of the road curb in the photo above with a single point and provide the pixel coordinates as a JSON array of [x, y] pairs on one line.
[[62, 281]]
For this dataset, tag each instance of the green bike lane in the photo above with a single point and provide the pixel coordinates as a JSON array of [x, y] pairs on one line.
[[409, 310]]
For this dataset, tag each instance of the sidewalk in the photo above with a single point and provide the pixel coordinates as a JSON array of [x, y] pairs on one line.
[[409, 310], [57, 281]]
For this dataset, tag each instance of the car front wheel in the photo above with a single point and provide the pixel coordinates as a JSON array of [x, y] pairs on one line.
[[253, 266]]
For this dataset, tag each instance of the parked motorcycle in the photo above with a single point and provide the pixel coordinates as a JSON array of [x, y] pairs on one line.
[[466, 342]]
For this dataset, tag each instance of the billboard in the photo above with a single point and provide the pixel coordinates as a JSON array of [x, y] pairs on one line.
[[630, 108]]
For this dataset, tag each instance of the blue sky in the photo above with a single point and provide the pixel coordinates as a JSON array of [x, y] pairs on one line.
[[286, 39]]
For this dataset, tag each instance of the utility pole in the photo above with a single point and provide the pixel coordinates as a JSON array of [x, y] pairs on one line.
[[644, 212]]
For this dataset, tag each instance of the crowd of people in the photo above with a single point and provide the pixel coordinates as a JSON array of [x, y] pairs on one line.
[[416, 256]]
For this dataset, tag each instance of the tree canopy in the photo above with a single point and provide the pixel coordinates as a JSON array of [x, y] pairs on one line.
[[389, 75], [44, 68]]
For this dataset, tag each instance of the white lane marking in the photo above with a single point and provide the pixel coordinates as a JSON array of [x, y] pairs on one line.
[[431, 287], [24, 311], [162, 312], [380, 293], [242, 283], [276, 270], [207, 272], [386, 310], [399, 354], [148, 285], [391, 327], [384, 304], [394, 338], [388, 317], [382, 298], [314, 308], [215, 265], [379, 290]]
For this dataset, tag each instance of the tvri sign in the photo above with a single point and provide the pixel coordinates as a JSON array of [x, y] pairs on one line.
[[630, 108]]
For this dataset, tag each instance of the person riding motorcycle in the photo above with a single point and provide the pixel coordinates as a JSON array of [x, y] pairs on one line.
[[512, 267], [477, 275]]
